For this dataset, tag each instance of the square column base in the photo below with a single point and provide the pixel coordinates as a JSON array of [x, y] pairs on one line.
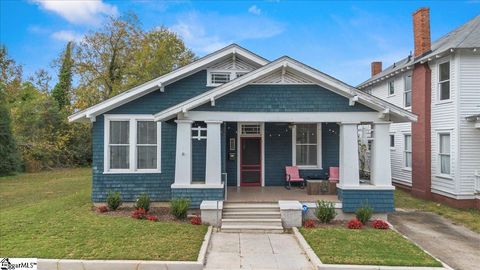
[[381, 200]]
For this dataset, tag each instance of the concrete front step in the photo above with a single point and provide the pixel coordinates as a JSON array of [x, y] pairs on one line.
[[252, 222], [250, 213], [252, 228], [250, 205]]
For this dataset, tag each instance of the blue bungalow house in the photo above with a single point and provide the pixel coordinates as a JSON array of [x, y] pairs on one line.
[[233, 118]]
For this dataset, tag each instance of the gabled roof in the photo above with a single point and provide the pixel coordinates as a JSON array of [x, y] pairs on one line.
[[162, 81], [286, 63], [467, 36]]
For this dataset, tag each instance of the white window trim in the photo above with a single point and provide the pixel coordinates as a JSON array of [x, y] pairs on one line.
[[232, 72], [388, 88], [133, 119], [319, 148], [405, 151], [439, 161], [440, 101], [405, 90]]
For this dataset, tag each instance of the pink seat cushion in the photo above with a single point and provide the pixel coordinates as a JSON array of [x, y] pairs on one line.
[[293, 174], [333, 174]]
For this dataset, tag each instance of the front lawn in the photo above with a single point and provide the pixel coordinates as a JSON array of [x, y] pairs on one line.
[[48, 215], [470, 218], [337, 245]]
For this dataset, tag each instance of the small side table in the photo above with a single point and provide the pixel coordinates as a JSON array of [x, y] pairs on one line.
[[314, 186]]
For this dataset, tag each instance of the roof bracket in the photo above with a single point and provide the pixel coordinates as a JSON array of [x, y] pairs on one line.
[[212, 101], [184, 111], [161, 87], [385, 114], [352, 100]]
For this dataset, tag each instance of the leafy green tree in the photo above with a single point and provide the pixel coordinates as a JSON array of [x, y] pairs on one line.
[[10, 158], [61, 91]]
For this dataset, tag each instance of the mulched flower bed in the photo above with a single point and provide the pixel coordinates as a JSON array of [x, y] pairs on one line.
[[163, 213]]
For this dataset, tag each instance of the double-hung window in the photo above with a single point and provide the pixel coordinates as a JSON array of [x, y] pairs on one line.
[[444, 153], [407, 151], [307, 145], [132, 144], [391, 88], [444, 81], [408, 91]]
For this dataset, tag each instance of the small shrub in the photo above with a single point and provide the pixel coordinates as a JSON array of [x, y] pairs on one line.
[[152, 218], [179, 207], [139, 213], [364, 213], [309, 223], [196, 220], [325, 211], [354, 224], [380, 224], [102, 209], [114, 200], [143, 201]]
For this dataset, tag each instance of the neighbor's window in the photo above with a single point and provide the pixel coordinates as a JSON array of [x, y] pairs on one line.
[[444, 81], [392, 140], [146, 145], [219, 77], [408, 151], [306, 145], [444, 153], [391, 88], [119, 144], [408, 91]]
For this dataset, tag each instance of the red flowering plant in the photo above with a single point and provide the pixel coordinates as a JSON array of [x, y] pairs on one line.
[[309, 223], [139, 213], [354, 224], [380, 224], [152, 218], [196, 220], [102, 209]]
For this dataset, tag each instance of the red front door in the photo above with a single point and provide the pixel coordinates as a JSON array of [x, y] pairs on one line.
[[250, 161]]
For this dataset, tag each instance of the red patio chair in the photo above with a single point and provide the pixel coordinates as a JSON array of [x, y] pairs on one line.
[[292, 174], [333, 175]]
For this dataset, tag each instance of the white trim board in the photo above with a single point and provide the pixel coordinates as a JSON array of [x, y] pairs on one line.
[[386, 109], [160, 82]]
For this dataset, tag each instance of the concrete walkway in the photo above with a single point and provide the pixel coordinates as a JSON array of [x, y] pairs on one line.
[[456, 245], [255, 251]]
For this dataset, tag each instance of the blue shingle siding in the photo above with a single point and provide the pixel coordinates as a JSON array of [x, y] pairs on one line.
[[197, 195], [157, 185], [199, 154], [380, 200], [283, 98]]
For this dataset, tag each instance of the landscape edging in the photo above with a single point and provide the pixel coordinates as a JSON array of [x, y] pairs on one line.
[[317, 263], [60, 264]]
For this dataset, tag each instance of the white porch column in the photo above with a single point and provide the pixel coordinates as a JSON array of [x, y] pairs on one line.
[[349, 169], [183, 157], [213, 170], [380, 165]]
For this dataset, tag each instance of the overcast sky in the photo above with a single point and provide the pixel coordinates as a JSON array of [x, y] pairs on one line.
[[338, 38]]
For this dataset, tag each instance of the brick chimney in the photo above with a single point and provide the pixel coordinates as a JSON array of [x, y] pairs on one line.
[[376, 68], [421, 31]]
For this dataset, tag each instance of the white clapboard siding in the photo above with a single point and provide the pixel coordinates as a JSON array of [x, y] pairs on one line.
[[444, 120], [469, 104]]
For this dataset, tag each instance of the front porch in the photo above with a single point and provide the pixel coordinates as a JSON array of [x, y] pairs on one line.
[[274, 194]]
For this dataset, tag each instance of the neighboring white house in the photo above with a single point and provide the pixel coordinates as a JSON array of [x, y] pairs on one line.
[[454, 61]]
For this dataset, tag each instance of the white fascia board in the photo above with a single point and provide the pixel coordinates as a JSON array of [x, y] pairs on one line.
[[318, 77], [164, 80]]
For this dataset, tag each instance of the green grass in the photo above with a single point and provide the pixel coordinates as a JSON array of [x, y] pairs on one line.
[[469, 218], [335, 245], [48, 215]]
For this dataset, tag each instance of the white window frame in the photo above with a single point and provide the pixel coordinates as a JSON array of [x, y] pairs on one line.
[[440, 82], [319, 148], [439, 154], [405, 90], [405, 151], [133, 119], [234, 73], [390, 94]]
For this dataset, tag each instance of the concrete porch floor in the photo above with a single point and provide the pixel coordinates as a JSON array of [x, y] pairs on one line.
[[273, 194]]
